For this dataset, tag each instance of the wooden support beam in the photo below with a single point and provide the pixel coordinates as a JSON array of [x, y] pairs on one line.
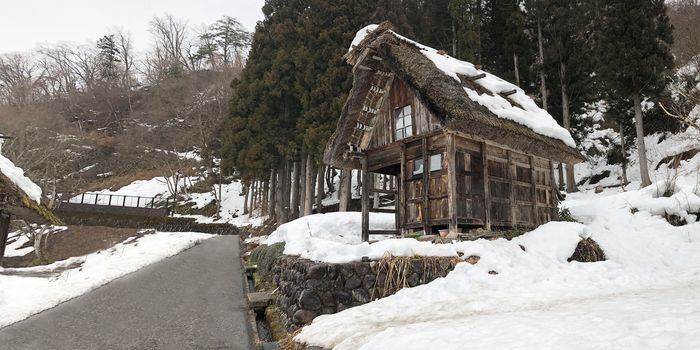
[[487, 195], [553, 202], [533, 176], [401, 211], [426, 187], [477, 77], [511, 179], [508, 93], [451, 154], [365, 200]]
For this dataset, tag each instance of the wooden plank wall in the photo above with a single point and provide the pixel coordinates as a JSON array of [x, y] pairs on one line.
[[424, 121]]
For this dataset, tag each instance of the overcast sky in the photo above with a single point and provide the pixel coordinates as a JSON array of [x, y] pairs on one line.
[[24, 24]]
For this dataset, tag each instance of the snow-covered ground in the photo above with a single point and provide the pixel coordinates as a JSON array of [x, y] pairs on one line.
[[27, 291], [643, 297], [232, 203]]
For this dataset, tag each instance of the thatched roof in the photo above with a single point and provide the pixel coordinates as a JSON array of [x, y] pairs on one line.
[[460, 103], [15, 201]]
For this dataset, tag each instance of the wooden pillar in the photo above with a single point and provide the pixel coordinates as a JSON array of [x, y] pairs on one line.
[[365, 200], [511, 178], [451, 154], [320, 190], [533, 191], [553, 201], [344, 194], [487, 195], [427, 229], [401, 206], [302, 185], [4, 231]]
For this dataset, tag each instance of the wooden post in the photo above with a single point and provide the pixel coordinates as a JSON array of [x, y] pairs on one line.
[[401, 187], [552, 202], [533, 192], [320, 193], [511, 177], [427, 229], [302, 185], [365, 200], [110, 200], [344, 194], [138, 202], [124, 202], [452, 184], [4, 231], [82, 198], [487, 195]]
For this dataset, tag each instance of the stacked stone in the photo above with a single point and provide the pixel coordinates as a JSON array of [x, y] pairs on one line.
[[308, 289]]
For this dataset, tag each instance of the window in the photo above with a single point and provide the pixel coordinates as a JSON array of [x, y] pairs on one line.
[[417, 166], [435, 164], [403, 123]]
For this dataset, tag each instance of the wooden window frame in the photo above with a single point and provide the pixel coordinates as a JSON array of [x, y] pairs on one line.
[[395, 118]]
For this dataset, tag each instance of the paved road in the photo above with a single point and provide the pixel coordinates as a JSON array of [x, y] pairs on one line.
[[194, 300]]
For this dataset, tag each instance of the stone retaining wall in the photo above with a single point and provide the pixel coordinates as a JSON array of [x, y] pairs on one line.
[[307, 289]]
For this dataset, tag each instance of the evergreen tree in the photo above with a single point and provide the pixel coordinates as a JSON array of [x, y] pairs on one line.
[[108, 58], [231, 37], [634, 47]]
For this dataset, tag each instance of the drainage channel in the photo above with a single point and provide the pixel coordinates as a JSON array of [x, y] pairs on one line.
[[263, 332]]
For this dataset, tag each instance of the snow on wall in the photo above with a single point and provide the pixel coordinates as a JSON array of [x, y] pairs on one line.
[[16, 175]]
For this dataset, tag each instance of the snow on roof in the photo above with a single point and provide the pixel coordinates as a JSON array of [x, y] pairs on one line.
[[522, 110], [16, 175]]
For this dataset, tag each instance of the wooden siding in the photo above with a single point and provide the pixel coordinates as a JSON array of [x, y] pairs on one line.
[[517, 192], [423, 120]]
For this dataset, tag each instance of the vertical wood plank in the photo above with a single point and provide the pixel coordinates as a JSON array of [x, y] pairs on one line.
[[533, 191], [365, 200], [511, 177], [426, 187], [402, 208], [487, 195], [452, 184]]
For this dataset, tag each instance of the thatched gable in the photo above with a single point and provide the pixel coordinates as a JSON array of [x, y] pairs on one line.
[[14, 201], [383, 52]]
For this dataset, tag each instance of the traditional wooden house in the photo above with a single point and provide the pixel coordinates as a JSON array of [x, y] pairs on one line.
[[444, 144]]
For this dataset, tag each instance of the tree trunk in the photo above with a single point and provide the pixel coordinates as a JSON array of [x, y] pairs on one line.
[[309, 186], [543, 86], [4, 231], [624, 157], [254, 197], [273, 195], [562, 183], [281, 210], [566, 119], [517, 71], [246, 189], [266, 198], [302, 190], [454, 39], [344, 194], [296, 187], [330, 175], [320, 189], [641, 147]]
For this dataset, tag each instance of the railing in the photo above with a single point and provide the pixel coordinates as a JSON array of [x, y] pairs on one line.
[[116, 200]]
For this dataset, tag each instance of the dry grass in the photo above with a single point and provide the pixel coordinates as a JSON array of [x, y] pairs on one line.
[[588, 251], [119, 181], [395, 271], [288, 343]]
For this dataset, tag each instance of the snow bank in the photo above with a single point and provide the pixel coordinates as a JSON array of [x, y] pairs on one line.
[[21, 297], [16, 175], [535, 290]]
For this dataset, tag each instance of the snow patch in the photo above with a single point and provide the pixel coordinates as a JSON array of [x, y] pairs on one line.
[[16, 175]]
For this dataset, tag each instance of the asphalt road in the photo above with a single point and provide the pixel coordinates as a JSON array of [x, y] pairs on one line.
[[194, 300]]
